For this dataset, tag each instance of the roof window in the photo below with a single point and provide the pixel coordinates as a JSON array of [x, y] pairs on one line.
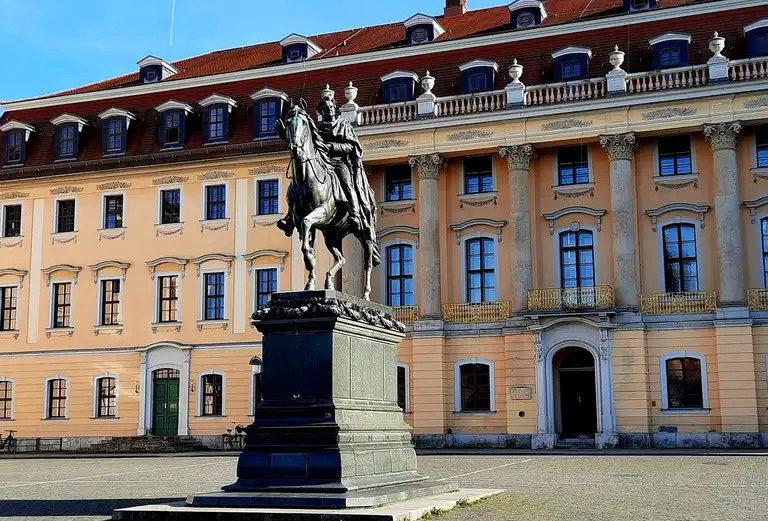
[[153, 69], [421, 28], [526, 13]]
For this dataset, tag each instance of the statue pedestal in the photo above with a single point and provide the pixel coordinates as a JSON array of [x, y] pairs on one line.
[[329, 432]]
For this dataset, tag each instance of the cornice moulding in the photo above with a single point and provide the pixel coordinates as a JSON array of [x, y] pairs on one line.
[[18, 125], [669, 37], [268, 92], [174, 105], [74, 270], [294, 38], [202, 259], [655, 213], [478, 221], [278, 254], [523, 4], [760, 24], [70, 118], [422, 19], [400, 74], [15, 273], [154, 60], [153, 264], [572, 49], [96, 268], [215, 99], [479, 63]]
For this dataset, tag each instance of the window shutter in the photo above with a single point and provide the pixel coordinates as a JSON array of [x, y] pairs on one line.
[[207, 123], [104, 127], [225, 124], [57, 141], [161, 128]]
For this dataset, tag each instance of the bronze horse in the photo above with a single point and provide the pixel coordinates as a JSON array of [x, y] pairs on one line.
[[316, 200]]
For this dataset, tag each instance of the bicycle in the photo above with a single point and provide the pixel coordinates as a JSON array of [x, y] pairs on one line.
[[234, 441], [9, 443]]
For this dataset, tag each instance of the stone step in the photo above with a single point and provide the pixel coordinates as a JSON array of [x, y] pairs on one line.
[[581, 442]]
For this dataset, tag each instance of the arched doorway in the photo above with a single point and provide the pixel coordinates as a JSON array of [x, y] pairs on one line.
[[575, 392]]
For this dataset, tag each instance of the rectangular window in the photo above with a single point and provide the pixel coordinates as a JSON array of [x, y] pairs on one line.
[[216, 202], [669, 57], [571, 70], [400, 275], [684, 385], [573, 165], [399, 185], [110, 302], [62, 305], [172, 129], [216, 123], [170, 206], [675, 155], [213, 392], [12, 220], [401, 387], [475, 387], [577, 259], [477, 83], [481, 270], [761, 144], [114, 135], [478, 174], [213, 306], [8, 305], [6, 399], [13, 147], [57, 398], [267, 116], [761, 45], [269, 196], [168, 298], [113, 211], [67, 141], [681, 271], [65, 216], [398, 93], [266, 284], [107, 407]]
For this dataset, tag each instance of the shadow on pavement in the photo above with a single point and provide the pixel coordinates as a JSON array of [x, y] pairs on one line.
[[71, 507]]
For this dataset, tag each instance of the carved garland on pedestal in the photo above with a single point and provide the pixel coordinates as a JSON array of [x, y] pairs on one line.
[[619, 146], [722, 136], [428, 166], [518, 157]]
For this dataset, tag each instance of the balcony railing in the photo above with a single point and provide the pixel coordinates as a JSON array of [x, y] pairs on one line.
[[677, 78], [553, 299], [566, 91], [748, 69], [406, 314], [392, 113], [757, 299], [472, 103], [472, 313], [678, 303]]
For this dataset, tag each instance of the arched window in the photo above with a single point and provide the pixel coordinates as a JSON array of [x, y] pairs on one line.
[[681, 271], [764, 247], [474, 385], [400, 275], [481, 270], [577, 259], [212, 395], [684, 381], [106, 389]]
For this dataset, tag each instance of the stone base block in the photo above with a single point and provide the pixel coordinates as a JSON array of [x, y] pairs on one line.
[[543, 441], [409, 510], [605, 440]]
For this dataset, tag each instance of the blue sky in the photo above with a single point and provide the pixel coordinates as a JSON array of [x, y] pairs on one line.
[[59, 44]]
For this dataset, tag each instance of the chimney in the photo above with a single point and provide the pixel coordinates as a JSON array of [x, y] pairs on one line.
[[455, 8]]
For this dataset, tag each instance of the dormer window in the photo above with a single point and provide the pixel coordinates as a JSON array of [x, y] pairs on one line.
[[421, 28], [216, 111], [66, 133], [399, 86], [297, 48], [572, 63], [267, 107], [638, 5], [153, 69], [669, 50], [526, 13], [756, 35], [172, 123], [15, 137], [478, 76], [114, 130]]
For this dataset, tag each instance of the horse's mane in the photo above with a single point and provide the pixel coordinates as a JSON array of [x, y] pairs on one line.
[[323, 151]]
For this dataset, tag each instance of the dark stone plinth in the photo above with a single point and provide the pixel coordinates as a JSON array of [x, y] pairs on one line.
[[329, 432]]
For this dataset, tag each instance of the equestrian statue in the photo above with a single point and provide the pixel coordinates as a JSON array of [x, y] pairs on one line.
[[329, 189]]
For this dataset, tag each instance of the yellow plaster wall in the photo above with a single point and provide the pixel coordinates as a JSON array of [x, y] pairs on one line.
[[760, 343], [630, 380], [520, 372]]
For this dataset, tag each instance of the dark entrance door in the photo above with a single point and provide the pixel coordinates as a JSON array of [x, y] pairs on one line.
[[578, 403], [165, 402]]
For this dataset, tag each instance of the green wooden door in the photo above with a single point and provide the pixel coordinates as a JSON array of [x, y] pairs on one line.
[[166, 407]]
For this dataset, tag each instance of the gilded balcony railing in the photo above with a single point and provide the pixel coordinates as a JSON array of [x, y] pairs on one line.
[[757, 299], [589, 297], [406, 314], [678, 303], [474, 312]]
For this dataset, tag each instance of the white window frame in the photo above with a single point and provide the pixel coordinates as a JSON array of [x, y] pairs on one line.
[[255, 369], [383, 268], [480, 195], [704, 382], [13, 398], [16, 285], [407, 409], [51, 312], [201, 303], [16, 202], [463, 253], [200, 376], [203, 205], [753, 148], [55, 225], [383, 197], [103, 215], [759, 242], [280, 205], [457, 384], [660, 250], [156, 300], [159, 210], [95, 409], [100, 297], [255, 281], [590, 165], [47, 397], [558, 256], [694, 165]]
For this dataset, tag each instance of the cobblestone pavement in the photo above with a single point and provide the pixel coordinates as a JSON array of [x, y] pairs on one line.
[[539, 487]]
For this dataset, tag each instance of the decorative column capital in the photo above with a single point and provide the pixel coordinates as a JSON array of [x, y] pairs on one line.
[[518, 156], [722, 135], [619, 146], [428, 166]]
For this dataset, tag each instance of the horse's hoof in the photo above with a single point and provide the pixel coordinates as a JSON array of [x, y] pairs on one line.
[[310, 286], [367, 296]]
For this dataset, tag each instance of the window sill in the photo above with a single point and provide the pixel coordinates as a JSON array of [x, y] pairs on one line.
[[760, 173], [59, 331], [105, 418], [474, 413], [574, 190], [479, 199], [10, 242], [172, 148], [64, 237], [397, 202], [478, 195], [113, 154], [169, 229], [13, 333], [13, 165], [112, 233], [166, 326], [270, 137], [65, 160], [7, 420], [676, 181], [401, 206], [686, 411], [108, 330], [65, 418], [265, 220], [207, 417], [214, 224], [213, 324], [214, 143]]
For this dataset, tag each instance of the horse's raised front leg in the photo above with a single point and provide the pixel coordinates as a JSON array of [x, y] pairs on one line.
[[308, 233], [333, 242]]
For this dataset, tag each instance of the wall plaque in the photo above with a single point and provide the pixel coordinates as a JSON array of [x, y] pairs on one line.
[[521, 393]]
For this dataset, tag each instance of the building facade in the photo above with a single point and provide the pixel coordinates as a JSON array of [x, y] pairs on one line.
[[573, 219]]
